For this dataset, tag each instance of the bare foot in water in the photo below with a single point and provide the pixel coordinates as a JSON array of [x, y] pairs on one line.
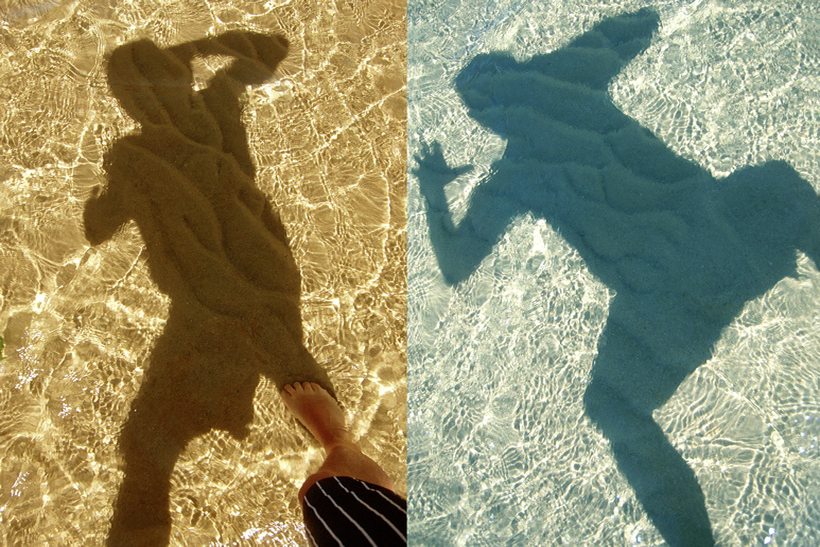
[[319, 413]]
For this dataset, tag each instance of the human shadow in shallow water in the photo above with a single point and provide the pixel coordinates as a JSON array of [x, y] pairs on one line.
[[213, 244], [682, 251]]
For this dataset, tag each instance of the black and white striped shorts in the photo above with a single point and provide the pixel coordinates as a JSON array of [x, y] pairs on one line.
[[346, 511]]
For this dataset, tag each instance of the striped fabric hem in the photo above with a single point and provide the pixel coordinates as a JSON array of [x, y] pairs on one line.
[[346, 511]]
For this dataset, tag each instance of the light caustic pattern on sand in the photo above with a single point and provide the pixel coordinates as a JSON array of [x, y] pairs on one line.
[[326, 138]]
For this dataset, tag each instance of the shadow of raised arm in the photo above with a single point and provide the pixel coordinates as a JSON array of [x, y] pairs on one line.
[[459, 249]]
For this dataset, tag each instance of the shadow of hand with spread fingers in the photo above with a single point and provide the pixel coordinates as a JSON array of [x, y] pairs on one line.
[[682, 251], [214, 245]]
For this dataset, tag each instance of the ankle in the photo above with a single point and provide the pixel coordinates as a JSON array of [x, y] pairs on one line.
[[339, 439]]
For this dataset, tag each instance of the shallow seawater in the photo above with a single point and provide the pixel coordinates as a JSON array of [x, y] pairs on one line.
[[79, 323], [500, 450]]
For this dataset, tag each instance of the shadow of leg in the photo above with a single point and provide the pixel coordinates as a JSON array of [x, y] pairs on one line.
[[141, 512], [662, 480], [199, 378], [627, 384]]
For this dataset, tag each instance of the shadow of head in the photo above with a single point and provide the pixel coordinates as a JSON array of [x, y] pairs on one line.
[[771, 207], [149, 81], [142, 77], [592, 59]]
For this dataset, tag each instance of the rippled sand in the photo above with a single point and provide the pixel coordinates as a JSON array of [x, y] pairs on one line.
[[79, 323]]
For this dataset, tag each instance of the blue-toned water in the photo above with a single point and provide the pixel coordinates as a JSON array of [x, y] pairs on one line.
[[613, 313]]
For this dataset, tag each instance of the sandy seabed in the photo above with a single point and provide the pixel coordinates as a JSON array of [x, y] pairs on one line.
[[80, 323]]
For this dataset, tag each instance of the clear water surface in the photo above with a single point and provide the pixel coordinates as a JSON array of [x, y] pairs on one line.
[[500, 449], [79, 323]]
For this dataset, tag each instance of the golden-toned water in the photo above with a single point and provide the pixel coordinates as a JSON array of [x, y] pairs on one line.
[[81, 324]]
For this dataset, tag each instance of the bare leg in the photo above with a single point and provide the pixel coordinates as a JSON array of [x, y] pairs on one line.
[[321, 415]]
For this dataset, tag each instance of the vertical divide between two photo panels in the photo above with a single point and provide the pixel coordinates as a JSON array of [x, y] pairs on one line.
[[425, 272]]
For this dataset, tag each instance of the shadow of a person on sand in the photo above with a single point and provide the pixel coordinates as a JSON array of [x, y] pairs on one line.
[[214, 245], [682, 251]]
